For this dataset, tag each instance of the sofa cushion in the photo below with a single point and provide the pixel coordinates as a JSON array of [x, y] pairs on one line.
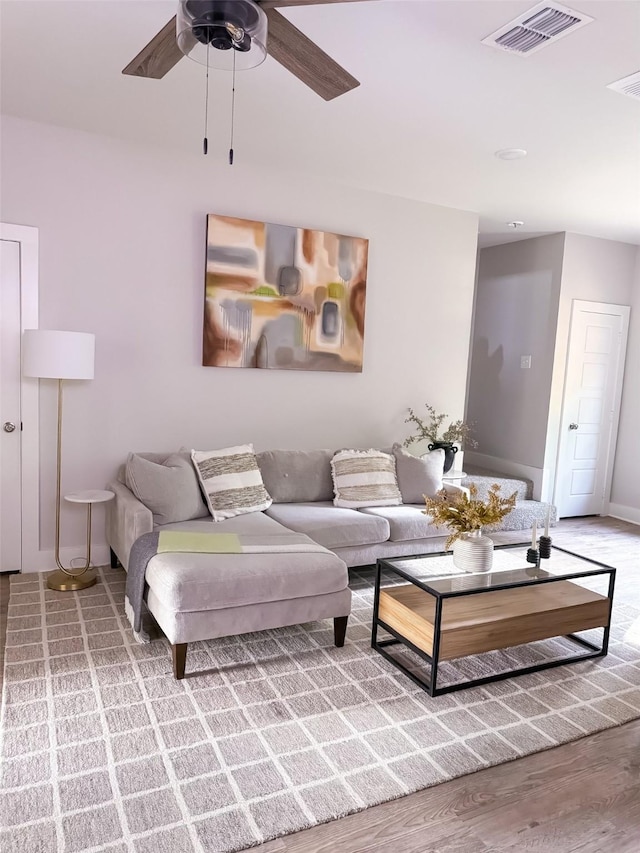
[[231, 481], [188, 582], [296, 476], [331, 526], [167, 485], [418, 475], [364, 478], [250, 523], [405, 522]]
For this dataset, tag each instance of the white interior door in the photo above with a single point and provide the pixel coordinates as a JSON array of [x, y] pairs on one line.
[[10, 417], [19, 448], [590, 410]]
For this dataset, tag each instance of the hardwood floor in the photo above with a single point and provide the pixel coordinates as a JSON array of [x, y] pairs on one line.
[[583, 797]]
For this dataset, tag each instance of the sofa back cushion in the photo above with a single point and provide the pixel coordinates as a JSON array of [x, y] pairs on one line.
[[365, 478], [231, 481], [418, 475], [167, 485], [297, 476]]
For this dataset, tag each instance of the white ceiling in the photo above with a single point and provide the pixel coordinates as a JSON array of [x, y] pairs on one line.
[[433, 106]]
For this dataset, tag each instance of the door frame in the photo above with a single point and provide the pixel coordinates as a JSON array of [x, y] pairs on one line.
[[27, 237], [624, 312]]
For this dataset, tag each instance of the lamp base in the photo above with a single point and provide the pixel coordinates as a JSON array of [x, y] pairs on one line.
[[68, 583]]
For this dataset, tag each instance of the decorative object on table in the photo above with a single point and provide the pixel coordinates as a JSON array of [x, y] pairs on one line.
[[545, 540], [466, 515], [533, 555], [52, 354], [473, 552], [544, 547], [457, 433], [283, 298]]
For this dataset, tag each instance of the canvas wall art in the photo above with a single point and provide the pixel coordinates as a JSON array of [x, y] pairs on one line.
[[283, 298]]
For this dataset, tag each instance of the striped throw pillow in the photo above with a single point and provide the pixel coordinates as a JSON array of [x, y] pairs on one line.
[[365, 478], [231, 481]]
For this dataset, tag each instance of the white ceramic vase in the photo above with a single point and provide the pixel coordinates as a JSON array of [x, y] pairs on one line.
[[473, 552]]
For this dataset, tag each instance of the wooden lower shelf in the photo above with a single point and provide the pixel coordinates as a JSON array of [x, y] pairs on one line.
[[486, 621]]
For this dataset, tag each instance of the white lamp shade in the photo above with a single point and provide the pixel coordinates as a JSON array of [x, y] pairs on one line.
[[48, 354]]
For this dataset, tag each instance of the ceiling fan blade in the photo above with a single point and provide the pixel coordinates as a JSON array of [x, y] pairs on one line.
[[304, 59], [275, 4], [159, 56]]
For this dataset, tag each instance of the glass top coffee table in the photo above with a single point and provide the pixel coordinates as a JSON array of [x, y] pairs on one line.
[[441, 613]]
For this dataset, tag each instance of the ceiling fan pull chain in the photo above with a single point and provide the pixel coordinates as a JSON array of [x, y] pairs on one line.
[[205, 141], [233, 107]]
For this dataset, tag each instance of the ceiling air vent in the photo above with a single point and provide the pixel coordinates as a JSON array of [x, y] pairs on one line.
[[628, 86], [536, 28]]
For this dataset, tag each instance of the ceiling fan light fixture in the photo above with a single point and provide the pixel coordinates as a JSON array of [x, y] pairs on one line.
[[235, 29]]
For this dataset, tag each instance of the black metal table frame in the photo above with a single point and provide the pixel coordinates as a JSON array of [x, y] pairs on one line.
[[431, 685]]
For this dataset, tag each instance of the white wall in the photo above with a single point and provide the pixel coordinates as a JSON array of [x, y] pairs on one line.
[[518, 286], [625, 491], [122, 232], [596, 270]]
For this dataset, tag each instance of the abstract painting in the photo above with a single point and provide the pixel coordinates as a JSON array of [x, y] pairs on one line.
[[283, 298]]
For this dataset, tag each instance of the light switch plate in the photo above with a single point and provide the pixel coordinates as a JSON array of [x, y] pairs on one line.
[[525, 361]]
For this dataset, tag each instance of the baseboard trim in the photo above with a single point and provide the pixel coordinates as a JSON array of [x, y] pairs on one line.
[[624, 513], [45, 561]]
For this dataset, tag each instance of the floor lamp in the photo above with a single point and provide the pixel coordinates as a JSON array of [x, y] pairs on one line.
[[48, 354]]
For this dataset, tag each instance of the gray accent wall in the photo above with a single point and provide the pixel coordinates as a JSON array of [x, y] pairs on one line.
[[516, 306]]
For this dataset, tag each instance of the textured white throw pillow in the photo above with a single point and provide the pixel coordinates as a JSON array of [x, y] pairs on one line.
[[231, 481], [418, 475], [365, 478]]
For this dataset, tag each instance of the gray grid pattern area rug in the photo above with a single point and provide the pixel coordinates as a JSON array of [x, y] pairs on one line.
[[104, 751]]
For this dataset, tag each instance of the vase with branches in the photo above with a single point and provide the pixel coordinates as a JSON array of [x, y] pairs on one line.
[[466, 516], [430, 428], [463, 512]]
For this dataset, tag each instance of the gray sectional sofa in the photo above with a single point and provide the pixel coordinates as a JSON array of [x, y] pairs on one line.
[[301, 488], [203, 596]]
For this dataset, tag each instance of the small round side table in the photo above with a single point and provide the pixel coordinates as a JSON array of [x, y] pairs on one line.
[[454, 476], [67, 580]]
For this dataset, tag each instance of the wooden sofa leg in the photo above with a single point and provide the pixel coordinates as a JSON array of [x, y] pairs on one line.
[[115, 562], [179, 654], [339, 630]]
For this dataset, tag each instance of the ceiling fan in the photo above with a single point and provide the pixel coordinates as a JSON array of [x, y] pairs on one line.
[[239, 28]]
